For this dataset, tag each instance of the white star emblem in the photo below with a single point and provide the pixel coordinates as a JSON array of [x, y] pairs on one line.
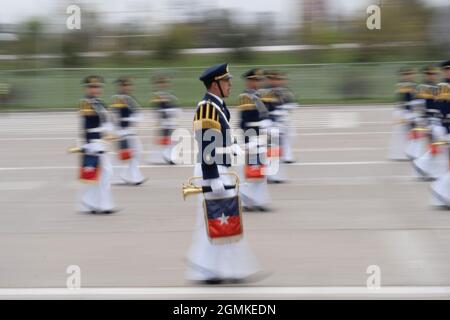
[[223, 219]]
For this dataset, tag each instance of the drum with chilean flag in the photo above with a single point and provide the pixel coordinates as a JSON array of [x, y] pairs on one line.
[[223, 219], [125, 152], [254, 172], [90, 168]]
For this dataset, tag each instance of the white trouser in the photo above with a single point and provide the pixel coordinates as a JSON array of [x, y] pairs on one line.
[[131, 173], [432, 166], [217, 261], [274, 168], [440, 191], [286, 143], [416, 148], [399, 137], [255, 193], [98, 196], [168, 153], [162, 154]]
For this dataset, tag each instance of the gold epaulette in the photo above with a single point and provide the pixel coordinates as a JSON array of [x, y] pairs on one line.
[[206, 117], [119, 103], [269, 97], [402, 88], [245, 102], [443, 92], [86, 108], [425, 94], [157, 98]]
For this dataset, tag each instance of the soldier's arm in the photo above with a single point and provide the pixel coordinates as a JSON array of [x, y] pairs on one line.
[[159, 102], [289, 100], [207, 133], [247, 109], [136, 116], [119, 110], [106, 125]]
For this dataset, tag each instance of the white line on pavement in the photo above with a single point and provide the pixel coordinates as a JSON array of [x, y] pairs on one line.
[[336, 163], [21, 185], [331, 134], [155, 292]]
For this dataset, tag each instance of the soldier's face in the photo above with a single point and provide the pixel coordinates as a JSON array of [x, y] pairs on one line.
[[163, 85], [253, 84], [126, 89], [226, 87], [409, 77], [433, 77], [447, 73], [94, 91]]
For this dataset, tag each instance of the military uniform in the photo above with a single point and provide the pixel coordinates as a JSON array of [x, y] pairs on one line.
[[272, 97], [209, 261], [403, 117], [434, 162], [415, 118], [254, 121], [96, 168], [288, 103], [127, 115], [168, 110], [427, 91], [5, 92], [441, 187]]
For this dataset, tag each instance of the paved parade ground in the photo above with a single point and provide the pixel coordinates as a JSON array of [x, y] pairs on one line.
[[345, 208]]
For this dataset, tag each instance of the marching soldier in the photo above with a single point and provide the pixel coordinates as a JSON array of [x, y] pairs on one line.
[[416, 118], [288, 103], [5, 93], [127, 115], [272, 97], [254, 123], [441, 187], [402, 115], [434, 162], [96, 169], [427, 90], [166, 105], [443, 96], [219, 252]]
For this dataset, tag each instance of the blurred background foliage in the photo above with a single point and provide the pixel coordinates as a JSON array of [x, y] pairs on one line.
[[363, 62]]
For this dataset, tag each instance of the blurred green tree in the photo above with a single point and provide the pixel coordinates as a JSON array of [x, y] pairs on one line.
[[30, 37], [176, 37]]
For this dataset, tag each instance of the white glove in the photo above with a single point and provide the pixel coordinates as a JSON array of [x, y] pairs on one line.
[[264, 124], [289, 106], [107, 127], [94, 147], [122, 132], [136, 118], [217, 187]]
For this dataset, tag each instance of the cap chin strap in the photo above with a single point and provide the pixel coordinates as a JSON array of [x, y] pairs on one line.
[[220, 88]]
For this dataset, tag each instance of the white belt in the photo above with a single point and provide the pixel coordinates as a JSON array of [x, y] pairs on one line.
[[223, 150], [279, 112], [95, 130], [131, 119], [288, 106], [263, 123]]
